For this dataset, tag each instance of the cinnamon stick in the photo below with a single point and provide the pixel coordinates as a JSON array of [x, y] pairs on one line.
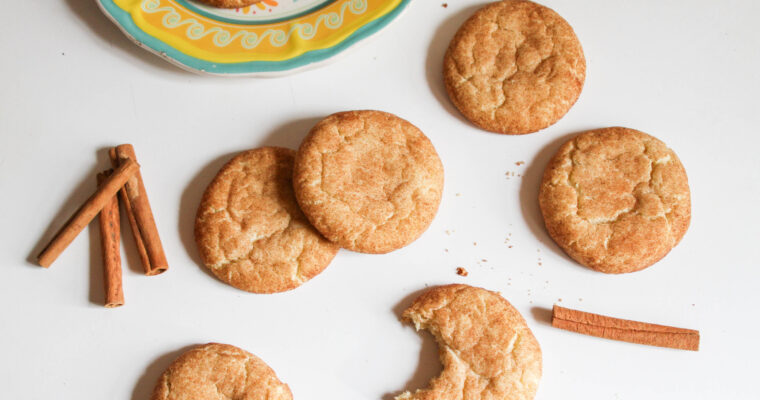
[[87, 212], [140, 216], [109, 240], [131, 216], [624, 330]]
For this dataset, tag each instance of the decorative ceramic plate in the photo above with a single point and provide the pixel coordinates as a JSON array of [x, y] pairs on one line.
[[269, 38]]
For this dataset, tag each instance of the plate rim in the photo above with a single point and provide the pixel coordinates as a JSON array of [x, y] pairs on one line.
[[308, 60]]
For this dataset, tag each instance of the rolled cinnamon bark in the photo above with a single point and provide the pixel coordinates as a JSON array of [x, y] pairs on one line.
[[131, 216], [140, 216], [109, 240], [624, 330], [87, 212]]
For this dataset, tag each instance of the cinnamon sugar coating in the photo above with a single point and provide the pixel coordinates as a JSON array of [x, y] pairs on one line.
[[250, 231], [514, 67], [368, 180], [615, 199], [485, 346], [219, 371]]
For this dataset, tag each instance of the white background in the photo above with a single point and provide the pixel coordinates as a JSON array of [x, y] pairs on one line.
[[71, 85]]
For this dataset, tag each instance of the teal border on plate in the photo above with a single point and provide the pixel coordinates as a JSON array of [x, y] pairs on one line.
[[124, 19], [197, 10]]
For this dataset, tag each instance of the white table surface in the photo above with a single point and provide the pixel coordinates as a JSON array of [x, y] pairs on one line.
[[71, 85]]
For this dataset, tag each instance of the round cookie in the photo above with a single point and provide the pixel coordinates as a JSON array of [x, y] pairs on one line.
[[219, 371], [230, 3], [250, 231], [368, 180], [485, 346], [514, 67], [615, 199]]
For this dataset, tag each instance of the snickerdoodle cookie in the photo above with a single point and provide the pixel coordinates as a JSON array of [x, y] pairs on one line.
[[485, 346], [368, 180], [250, 231], [219, 371], [615, 199], [514, 67], [230, 3]]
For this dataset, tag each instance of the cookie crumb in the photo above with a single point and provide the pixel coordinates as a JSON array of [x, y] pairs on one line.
[[484, 260], [461, 271], [519, 163], [445, 5], [474, 243], [459, 194]]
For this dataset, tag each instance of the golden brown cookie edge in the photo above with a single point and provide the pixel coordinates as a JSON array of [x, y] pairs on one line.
[[490, 126], [202, 249], [562, 240], [161, 391], [311, 211]]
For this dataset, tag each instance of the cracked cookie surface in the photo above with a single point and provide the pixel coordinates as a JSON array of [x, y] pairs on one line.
[[615, 199], [250, 231], [219, 371], [368, 180], [230, 3], [485, 346], [514, 67]]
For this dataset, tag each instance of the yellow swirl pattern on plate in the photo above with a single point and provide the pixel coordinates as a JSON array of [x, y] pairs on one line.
[[217, 41]]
